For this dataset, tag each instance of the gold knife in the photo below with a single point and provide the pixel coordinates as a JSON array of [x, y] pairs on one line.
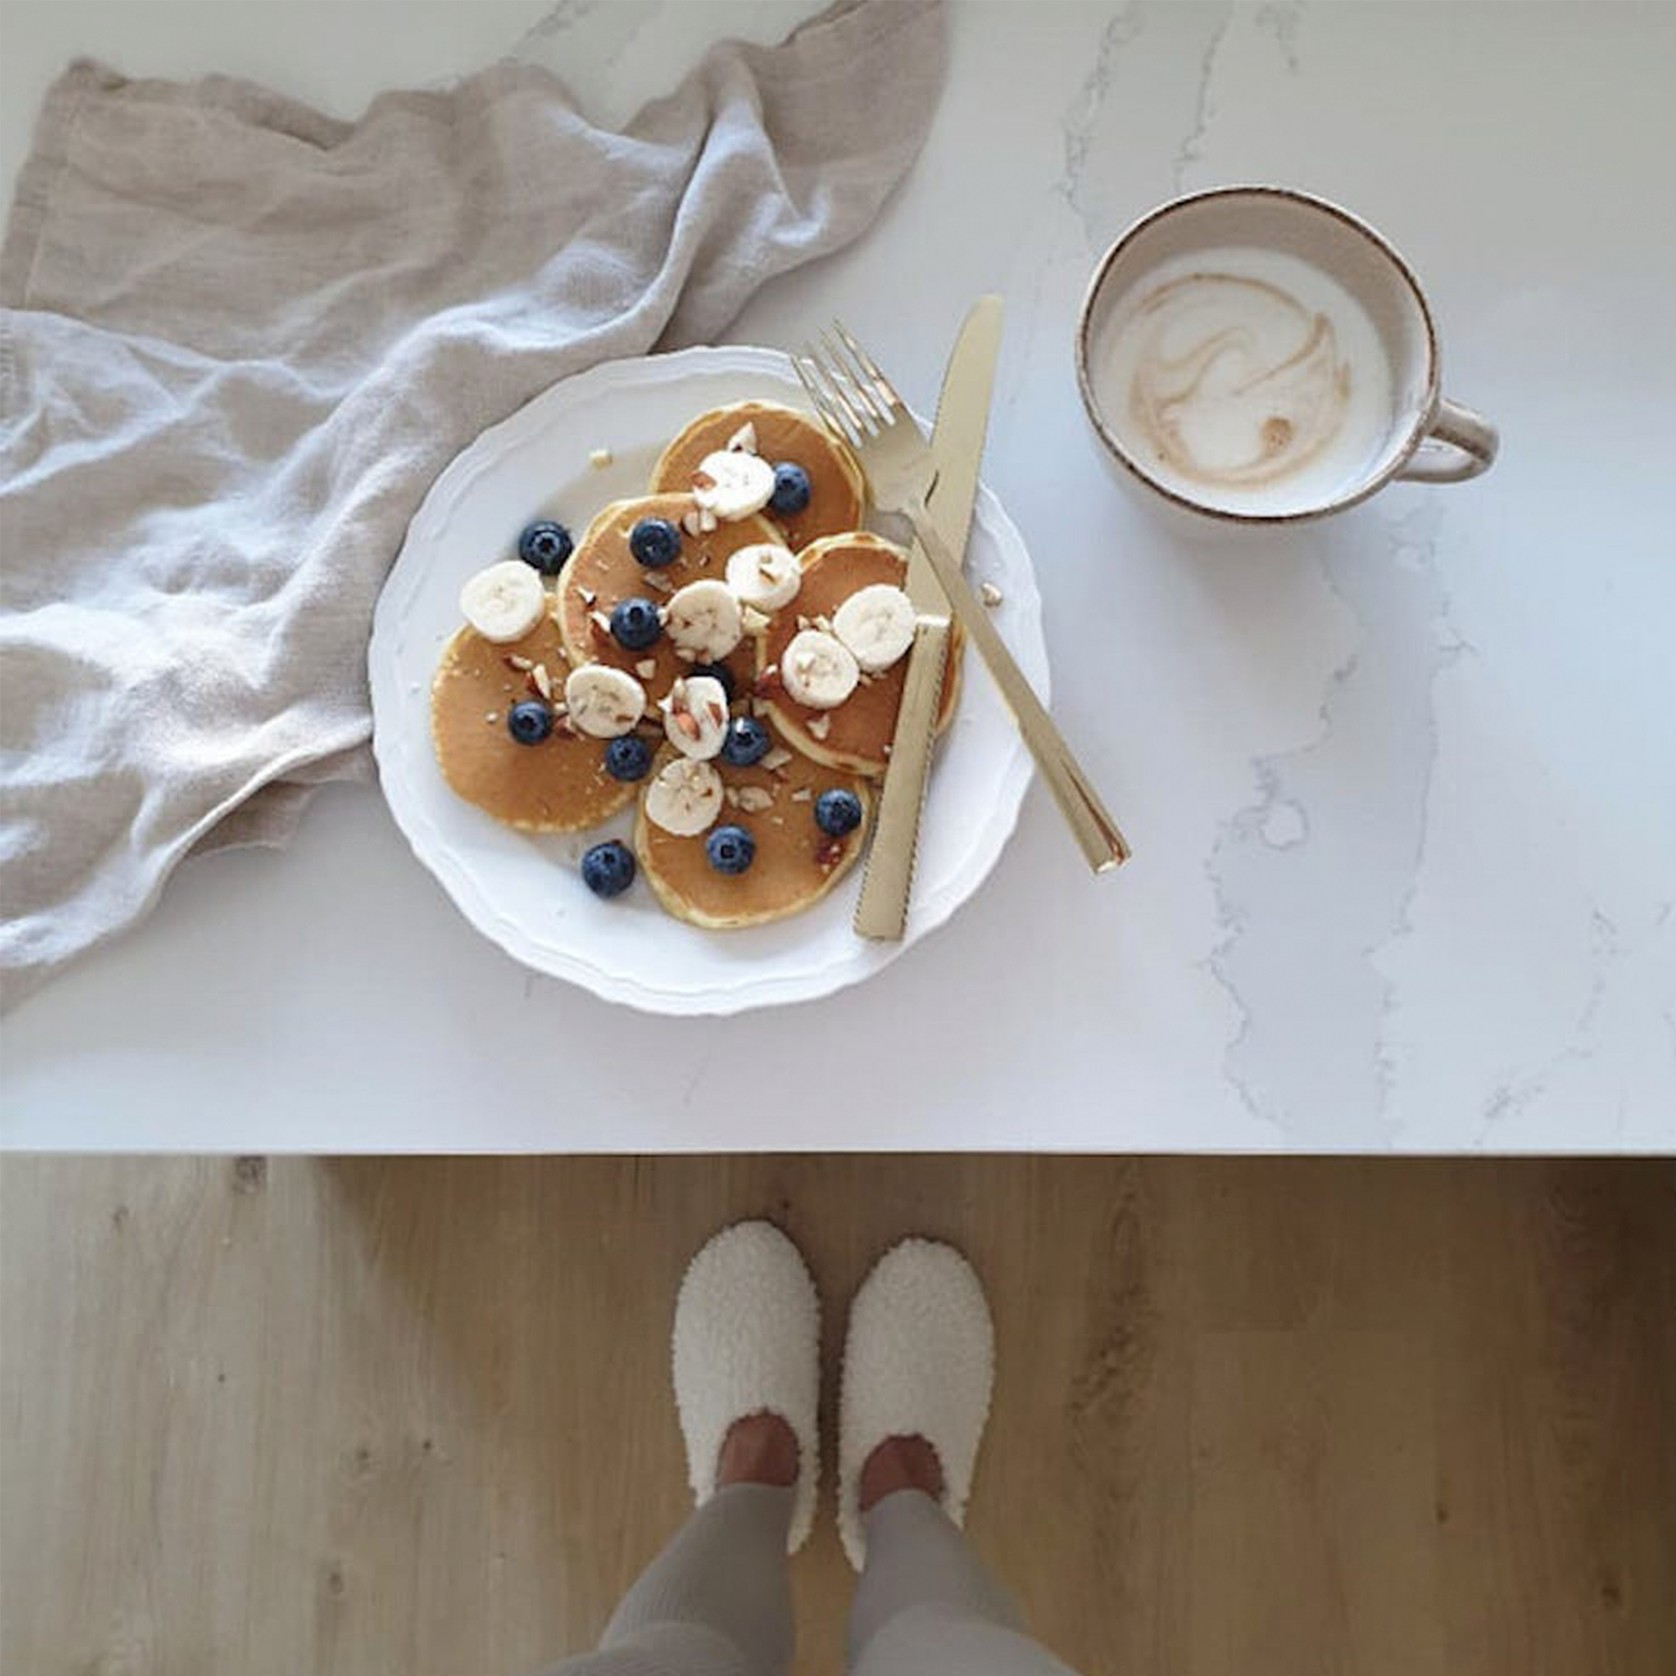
[[957, 440]]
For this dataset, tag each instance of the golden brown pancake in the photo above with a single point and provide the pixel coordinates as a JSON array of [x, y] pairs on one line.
[[602, 566], [837, 489], [559, 785], [859, 729], [796, 863]]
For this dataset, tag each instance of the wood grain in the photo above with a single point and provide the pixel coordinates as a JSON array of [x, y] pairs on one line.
[[357, 1417]]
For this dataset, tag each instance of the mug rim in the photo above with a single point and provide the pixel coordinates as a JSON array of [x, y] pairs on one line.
[[1424, 415]]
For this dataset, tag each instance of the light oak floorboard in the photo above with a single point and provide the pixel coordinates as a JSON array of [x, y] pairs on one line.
[[1307, 1418]]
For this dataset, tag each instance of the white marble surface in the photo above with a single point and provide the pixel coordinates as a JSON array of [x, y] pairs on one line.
[[1402, 790]]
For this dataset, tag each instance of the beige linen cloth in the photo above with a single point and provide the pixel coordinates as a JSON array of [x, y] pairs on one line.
[[239, 340]]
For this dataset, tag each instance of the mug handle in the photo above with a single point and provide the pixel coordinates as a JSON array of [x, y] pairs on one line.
[[1458, 444]]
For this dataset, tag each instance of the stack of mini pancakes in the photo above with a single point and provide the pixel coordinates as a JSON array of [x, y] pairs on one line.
[[767, 600]]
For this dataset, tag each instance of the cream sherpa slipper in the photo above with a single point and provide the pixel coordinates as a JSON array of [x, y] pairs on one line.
[[747, 1340], [920, 1361]]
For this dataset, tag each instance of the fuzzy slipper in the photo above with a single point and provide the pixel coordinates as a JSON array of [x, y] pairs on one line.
[[920, 1361], [747, 1341]]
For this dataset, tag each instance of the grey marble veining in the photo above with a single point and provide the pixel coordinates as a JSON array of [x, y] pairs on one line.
[[1402, 786]]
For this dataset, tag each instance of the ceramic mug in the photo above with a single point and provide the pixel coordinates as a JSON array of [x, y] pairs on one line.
[[1160, 281]]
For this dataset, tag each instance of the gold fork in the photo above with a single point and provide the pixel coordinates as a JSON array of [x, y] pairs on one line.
[[858, 402]]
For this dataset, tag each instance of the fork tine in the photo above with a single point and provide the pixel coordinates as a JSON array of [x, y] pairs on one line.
[[866, 362], [856, 380], [834, 416], [861, 419], [831, 409]]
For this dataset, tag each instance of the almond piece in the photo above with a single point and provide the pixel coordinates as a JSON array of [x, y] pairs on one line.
[[821, 726], [646, 668]]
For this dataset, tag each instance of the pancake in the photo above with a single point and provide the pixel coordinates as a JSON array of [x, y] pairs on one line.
[[796, 863], [860, 728], [559, 785], [603, 566], [837, 489]]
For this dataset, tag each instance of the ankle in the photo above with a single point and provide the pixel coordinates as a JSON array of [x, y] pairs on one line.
[[900, 1463], [759, 1449]]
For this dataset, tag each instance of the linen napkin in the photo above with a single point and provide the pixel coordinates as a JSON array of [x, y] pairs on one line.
[[239, 340]]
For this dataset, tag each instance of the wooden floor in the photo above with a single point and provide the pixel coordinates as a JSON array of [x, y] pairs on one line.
[[400, 1418]]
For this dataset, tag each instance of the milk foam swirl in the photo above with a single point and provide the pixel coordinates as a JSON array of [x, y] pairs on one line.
[[1234, 383]]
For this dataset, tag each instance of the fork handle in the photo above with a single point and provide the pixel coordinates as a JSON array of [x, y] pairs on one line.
[[1091, 825], [882, 911]]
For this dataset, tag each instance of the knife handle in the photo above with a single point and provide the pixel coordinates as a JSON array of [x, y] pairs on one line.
[[1090, 823], [882, 911]]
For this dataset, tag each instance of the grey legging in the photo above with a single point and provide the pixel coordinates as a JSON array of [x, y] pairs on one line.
[[717, 1601]]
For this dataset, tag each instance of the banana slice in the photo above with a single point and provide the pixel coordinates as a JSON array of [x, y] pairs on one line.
[[732, 484], [703, 618], [818, 669], [684, 797], [603, 701], [504, 602], [695, 716], [764, 575], [877, 624]]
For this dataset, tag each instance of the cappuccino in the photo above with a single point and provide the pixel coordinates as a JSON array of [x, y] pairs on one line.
[[1246, 379]]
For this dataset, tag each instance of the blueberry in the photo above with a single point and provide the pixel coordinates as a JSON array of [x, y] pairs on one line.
[[746, 741], [791, 488], [634, 624], [608, 868], [716, 672], [529, 722], [655, 542], [545, 545], [837, 812], [731, 849], [628, 757]]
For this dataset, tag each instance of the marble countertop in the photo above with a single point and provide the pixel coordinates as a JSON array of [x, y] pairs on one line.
[[1402, 788]]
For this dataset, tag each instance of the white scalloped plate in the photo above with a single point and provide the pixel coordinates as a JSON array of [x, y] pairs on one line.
[[526, 892]]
